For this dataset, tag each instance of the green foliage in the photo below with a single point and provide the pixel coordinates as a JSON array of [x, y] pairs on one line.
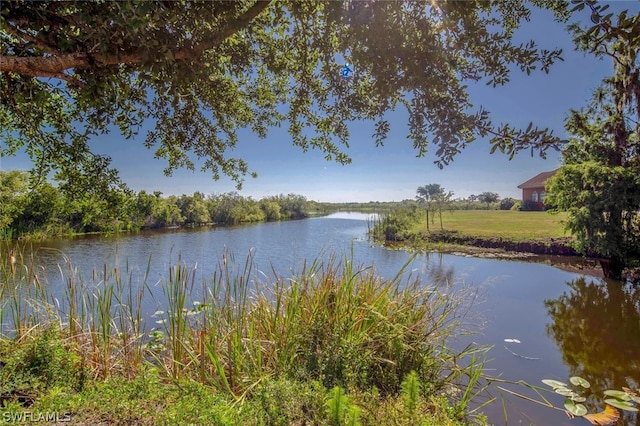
[[488, 197], [285, 402], [36, 365], [598, 184], [573, 404], [507, 203], [200, 72], [602, 202], [337, 406], [396, 225], [435, 200], [13, 187], [47, 210], [410, 392], [529, 206], [340, 411], [271, 210]]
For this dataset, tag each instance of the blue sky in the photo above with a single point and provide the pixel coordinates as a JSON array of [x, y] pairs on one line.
[[392, 172]]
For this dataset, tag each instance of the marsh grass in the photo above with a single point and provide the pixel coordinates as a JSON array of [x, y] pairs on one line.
[[334, 323]]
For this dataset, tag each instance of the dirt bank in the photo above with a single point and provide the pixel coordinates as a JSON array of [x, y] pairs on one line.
[[557, 253], [558, 247]]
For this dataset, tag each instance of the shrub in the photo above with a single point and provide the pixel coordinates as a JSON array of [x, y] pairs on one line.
[[527, 206], [396, 225], [35, 364], [507, 203]]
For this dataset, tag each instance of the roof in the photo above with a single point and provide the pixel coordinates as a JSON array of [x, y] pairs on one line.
[[538, 180]]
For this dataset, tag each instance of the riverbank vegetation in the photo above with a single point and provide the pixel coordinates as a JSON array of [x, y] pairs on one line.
[[332, 344], [45, 210], [599, 181]]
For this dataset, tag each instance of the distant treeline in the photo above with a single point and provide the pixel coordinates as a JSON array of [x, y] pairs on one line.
[[46, 210]]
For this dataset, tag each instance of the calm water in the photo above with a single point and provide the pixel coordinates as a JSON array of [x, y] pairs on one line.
[[567, 324]]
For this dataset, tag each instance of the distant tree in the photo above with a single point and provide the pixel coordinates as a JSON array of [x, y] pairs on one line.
[[292, 206], [427, 195], [13, 185], [41, 208], [434, 200], [201, 71], [599, 182], [488, 197], [194, 209], [271, 209], [443, 202]]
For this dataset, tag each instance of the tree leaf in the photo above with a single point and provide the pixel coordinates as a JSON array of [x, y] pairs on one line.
[[579, 381], [604, 418]]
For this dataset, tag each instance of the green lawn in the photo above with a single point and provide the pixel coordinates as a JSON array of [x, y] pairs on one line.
[[507, 224]]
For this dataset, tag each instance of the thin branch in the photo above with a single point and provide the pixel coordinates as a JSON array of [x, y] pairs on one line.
[[18, 32]]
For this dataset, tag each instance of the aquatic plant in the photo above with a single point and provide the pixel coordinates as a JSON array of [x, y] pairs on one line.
[[625, 399]]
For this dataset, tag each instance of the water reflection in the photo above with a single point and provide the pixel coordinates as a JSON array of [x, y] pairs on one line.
[[596, 325]]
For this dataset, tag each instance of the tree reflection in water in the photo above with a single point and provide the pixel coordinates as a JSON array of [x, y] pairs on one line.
[[596, 325]]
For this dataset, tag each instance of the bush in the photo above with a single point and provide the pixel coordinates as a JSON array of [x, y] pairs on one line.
[[527, 206], [395, 226], [507, 203], [36, 364]]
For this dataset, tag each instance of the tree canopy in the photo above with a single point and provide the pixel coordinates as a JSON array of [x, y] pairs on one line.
[[488, 197], [599, 183], [199, 71]]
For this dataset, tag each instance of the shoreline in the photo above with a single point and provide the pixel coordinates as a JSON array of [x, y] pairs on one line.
[[553, 253]]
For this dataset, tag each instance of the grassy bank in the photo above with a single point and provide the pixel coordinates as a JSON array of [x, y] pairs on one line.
[[492, 229], [334, 344], [504, 224]]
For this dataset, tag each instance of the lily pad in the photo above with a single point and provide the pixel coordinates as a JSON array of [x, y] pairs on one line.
[[565, 392], [623, 405], [555, 384], [575, 409], [579, 381], [578, 398], [623, 396]]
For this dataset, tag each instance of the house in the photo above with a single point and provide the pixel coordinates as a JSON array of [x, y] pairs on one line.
[[533, 190]]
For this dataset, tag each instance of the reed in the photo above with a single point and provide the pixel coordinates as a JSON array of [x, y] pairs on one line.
[[335, 323]]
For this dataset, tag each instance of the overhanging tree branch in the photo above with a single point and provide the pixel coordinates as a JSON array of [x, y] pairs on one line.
[[55, 65]]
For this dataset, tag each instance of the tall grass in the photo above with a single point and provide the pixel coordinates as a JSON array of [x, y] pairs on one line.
[[334, 323]]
